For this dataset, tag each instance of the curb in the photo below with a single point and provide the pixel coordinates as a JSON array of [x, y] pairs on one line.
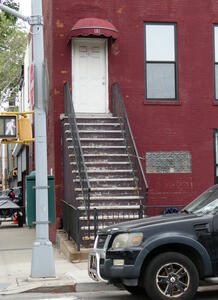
[[55, 287]]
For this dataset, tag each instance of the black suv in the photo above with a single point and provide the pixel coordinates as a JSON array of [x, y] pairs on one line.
[[164, 256]]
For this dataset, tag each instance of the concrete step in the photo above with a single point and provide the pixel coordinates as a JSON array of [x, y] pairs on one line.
[[94, 170], [99, 142], [98, 131], [94, 139], [100, 163], [69, 249], [100, 147], [104, 165], [97, 118], [93, 180], [107, 157], [98, 126], [109, 198], [100, 134], [107, 182], [111, 207], [106, 173], [120, 216], [113, 188]]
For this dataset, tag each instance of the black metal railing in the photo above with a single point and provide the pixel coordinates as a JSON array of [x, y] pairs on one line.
[[121, 216], [102, 219], [119, 110], [69, 111], [71, 222]]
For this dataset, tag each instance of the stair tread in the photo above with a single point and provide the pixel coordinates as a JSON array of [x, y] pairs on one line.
[[98, 124], [105, 171], [118, 207], [107, 179], [105, 154], [111, 217], [95, 116], [112, 197], [99, 147], [99, 131], [116, 188], [99, 139], [104, 162]]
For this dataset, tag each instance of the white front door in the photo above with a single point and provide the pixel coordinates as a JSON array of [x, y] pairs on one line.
[[89, 75]]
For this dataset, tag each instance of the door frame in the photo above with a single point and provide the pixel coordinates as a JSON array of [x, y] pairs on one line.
[[105, 42]]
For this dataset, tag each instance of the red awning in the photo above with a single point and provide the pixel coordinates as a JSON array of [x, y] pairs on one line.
[[94, 26]]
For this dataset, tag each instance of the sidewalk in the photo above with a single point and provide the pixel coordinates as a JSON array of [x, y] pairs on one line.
[[15, 265]]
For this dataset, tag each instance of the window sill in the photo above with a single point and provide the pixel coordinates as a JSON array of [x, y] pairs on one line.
[[163, 102], [215, 102]]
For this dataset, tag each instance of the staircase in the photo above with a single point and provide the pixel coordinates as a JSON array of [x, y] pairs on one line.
[[114, 186]]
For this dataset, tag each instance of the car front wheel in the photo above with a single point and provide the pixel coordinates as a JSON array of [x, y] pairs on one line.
[[171, 275]]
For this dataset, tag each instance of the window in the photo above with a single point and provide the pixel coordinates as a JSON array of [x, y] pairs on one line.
[[216, 60], [160, 61]]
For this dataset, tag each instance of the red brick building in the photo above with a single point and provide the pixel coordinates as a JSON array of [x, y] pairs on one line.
[[164, 55]]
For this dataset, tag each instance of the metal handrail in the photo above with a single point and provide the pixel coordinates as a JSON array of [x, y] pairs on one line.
[[119, 110], [70, 112]]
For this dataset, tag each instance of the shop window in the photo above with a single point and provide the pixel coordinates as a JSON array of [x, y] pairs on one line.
[[160, 61]]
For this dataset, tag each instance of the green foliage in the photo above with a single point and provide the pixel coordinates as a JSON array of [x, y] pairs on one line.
[[14, 5], [12, 47]]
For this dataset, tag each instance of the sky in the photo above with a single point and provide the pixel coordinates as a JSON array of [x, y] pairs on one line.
[[25, 7]]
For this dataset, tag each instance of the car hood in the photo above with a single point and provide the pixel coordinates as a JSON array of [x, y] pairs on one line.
[[148, 221]]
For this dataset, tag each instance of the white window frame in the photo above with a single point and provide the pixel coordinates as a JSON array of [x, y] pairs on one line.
[[167, 58]]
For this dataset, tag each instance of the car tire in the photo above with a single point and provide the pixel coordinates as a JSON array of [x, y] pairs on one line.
[[134, 290], [171, 275]]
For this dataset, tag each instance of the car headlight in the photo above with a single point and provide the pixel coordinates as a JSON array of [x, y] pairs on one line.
[[125, 240]]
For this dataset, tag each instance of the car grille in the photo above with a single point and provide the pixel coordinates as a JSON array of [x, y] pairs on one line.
[[101, 241]]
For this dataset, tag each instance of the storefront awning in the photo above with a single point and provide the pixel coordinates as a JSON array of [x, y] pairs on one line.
[[94, 27]]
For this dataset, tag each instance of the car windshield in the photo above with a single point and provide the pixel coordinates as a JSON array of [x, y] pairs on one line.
[[205, 203]]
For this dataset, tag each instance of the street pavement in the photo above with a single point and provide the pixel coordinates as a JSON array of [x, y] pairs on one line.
[[15, 265], [71, 282], [97, 295]]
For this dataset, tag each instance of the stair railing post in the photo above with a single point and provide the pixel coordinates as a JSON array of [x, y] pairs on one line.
[[95, 222], [141, 208], [78, 229]]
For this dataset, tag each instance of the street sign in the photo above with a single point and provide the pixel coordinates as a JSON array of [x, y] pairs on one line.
[[8, 127]]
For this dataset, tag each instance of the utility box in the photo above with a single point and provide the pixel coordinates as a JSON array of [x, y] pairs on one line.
[[31, 199]]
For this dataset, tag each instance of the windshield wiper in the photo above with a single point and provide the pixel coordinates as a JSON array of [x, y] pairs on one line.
[[186, 211]]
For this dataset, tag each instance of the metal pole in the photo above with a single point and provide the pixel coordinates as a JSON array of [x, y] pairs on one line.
[[42, 254], [14, 12]]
